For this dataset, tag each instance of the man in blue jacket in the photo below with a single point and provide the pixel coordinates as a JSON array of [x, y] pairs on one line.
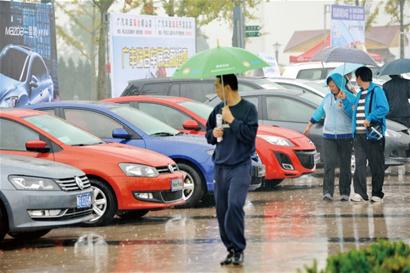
[[235, 144], [368, 111]]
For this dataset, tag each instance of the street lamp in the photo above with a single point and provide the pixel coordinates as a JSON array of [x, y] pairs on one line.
[[276, 46]]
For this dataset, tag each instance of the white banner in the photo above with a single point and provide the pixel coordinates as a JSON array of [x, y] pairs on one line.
[[348, 27], [143, 46]]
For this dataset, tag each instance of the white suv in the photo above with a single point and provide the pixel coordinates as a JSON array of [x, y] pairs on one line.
[[309, 71]]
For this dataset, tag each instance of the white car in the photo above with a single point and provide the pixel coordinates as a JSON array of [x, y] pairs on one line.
[[309, 70]]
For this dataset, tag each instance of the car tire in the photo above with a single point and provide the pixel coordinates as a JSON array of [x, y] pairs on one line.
[[194, 186], [29, 235], [133, 214], [3, 224], [270, 184], [104, 204]]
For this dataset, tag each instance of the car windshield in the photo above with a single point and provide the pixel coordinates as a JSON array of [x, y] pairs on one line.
[[63, 131], [12, 64], [198, 108], [144, 122]]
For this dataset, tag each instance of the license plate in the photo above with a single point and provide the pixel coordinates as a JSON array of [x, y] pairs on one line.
[[177, 184], [84, 200]]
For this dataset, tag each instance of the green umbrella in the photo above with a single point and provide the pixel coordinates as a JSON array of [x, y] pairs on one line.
[[219, 61]]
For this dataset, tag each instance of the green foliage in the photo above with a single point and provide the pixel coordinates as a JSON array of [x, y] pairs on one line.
[[392, 8], [380, 257]]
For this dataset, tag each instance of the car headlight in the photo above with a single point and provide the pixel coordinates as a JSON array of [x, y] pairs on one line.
[[391, 133], [138, 170], [9, 102], [33, 183], [275, 140]]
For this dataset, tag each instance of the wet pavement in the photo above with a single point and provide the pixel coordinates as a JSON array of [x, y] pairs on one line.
[[286, 228]]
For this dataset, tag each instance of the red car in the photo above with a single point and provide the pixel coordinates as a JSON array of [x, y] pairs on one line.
[[285, 153], [125, 180]]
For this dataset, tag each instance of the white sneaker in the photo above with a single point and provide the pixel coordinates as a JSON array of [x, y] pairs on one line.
[[356, 198], [376, 199]]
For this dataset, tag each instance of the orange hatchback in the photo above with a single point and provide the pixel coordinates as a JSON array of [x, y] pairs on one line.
[[126, 180]]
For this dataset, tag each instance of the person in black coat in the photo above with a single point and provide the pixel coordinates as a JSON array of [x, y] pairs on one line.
[[235, 144], [398, 94]]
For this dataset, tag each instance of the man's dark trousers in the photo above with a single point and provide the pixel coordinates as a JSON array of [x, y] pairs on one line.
[[373, 151], [231, 189]]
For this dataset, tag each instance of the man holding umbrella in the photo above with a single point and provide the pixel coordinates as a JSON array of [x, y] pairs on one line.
[[235, 144], [398, 90], [368, 111]]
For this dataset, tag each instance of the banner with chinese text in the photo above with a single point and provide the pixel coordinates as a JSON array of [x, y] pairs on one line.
[[347, 27]]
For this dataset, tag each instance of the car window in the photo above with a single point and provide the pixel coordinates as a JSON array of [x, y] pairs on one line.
[[166, 114], [174, 91], [155, 89], [287, 109], [253, 100], [291, 86], [199, 108], [38, 69], [13, 63], [93, 122], [197, 90], [49, 111], [310, 74], [13, 135]]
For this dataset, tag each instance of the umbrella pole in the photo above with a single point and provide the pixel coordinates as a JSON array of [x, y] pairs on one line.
[[223, 89]]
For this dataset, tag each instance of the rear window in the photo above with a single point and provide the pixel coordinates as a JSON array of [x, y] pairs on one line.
[[155, 88]]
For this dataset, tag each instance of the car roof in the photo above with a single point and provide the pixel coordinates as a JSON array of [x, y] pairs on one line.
[[19, 112], [68, 103], [261, 92], [172, 99]]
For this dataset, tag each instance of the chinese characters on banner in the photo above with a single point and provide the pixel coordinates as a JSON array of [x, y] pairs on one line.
[[143, 46], [347, 27]]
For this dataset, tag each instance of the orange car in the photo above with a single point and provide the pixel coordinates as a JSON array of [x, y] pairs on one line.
[[126, 180]]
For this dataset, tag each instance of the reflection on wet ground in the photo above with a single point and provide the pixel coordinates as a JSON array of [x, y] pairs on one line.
[[286, 228]]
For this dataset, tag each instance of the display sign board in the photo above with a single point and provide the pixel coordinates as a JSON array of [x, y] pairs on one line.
[[28, 54], [142, 46], [347, 27]]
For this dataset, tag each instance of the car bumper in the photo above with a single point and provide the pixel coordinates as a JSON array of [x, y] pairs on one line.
[[148, 193], [63, 204]]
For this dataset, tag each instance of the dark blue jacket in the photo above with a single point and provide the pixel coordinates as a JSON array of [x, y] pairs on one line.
[[238, 144]]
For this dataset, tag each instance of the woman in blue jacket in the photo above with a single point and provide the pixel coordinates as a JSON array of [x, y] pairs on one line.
[[337, 138]]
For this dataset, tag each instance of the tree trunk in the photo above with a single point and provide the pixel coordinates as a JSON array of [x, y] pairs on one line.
[[101, 79]]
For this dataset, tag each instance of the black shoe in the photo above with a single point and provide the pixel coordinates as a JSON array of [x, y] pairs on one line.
[[229, 258], [237, 258]]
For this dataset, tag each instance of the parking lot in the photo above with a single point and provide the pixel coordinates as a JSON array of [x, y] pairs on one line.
[[286, 228]]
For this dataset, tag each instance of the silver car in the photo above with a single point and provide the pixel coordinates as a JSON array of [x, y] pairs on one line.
[[37, 195]]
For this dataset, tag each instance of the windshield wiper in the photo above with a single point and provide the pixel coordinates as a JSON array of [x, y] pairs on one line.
[[179, 133], [87, 144], [162, 134]]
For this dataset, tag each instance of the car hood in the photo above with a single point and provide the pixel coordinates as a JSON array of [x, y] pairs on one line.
[[188, 139], [278, 131], [129, 154], [7, 83], [21, 165]]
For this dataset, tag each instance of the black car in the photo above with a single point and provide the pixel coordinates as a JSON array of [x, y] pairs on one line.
[[195, 89], [293, 109]]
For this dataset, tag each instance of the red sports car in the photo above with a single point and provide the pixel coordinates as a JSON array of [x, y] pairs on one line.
[[285, 153]]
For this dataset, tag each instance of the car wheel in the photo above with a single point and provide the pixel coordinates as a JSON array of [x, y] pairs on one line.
[[270, 184], [194, 187], [3, 224], [104, 204], [133, 214], [29, 235]]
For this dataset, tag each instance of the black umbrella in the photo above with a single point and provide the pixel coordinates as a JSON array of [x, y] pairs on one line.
[[344, 55], [396, 67]]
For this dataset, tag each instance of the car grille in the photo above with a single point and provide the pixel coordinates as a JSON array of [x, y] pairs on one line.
[[67, 214], [70, 184], [306, 158], [167, 169]]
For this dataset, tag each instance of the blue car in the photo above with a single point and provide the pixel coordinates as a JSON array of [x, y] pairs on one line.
[[124, 124], [24, 77]]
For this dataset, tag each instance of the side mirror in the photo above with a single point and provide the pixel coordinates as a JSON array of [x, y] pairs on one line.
[[38, 146], [190, 124], [34, 82], [120, 133]]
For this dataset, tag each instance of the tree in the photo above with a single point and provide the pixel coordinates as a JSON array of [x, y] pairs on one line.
[[396, 8], [103, 6]]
